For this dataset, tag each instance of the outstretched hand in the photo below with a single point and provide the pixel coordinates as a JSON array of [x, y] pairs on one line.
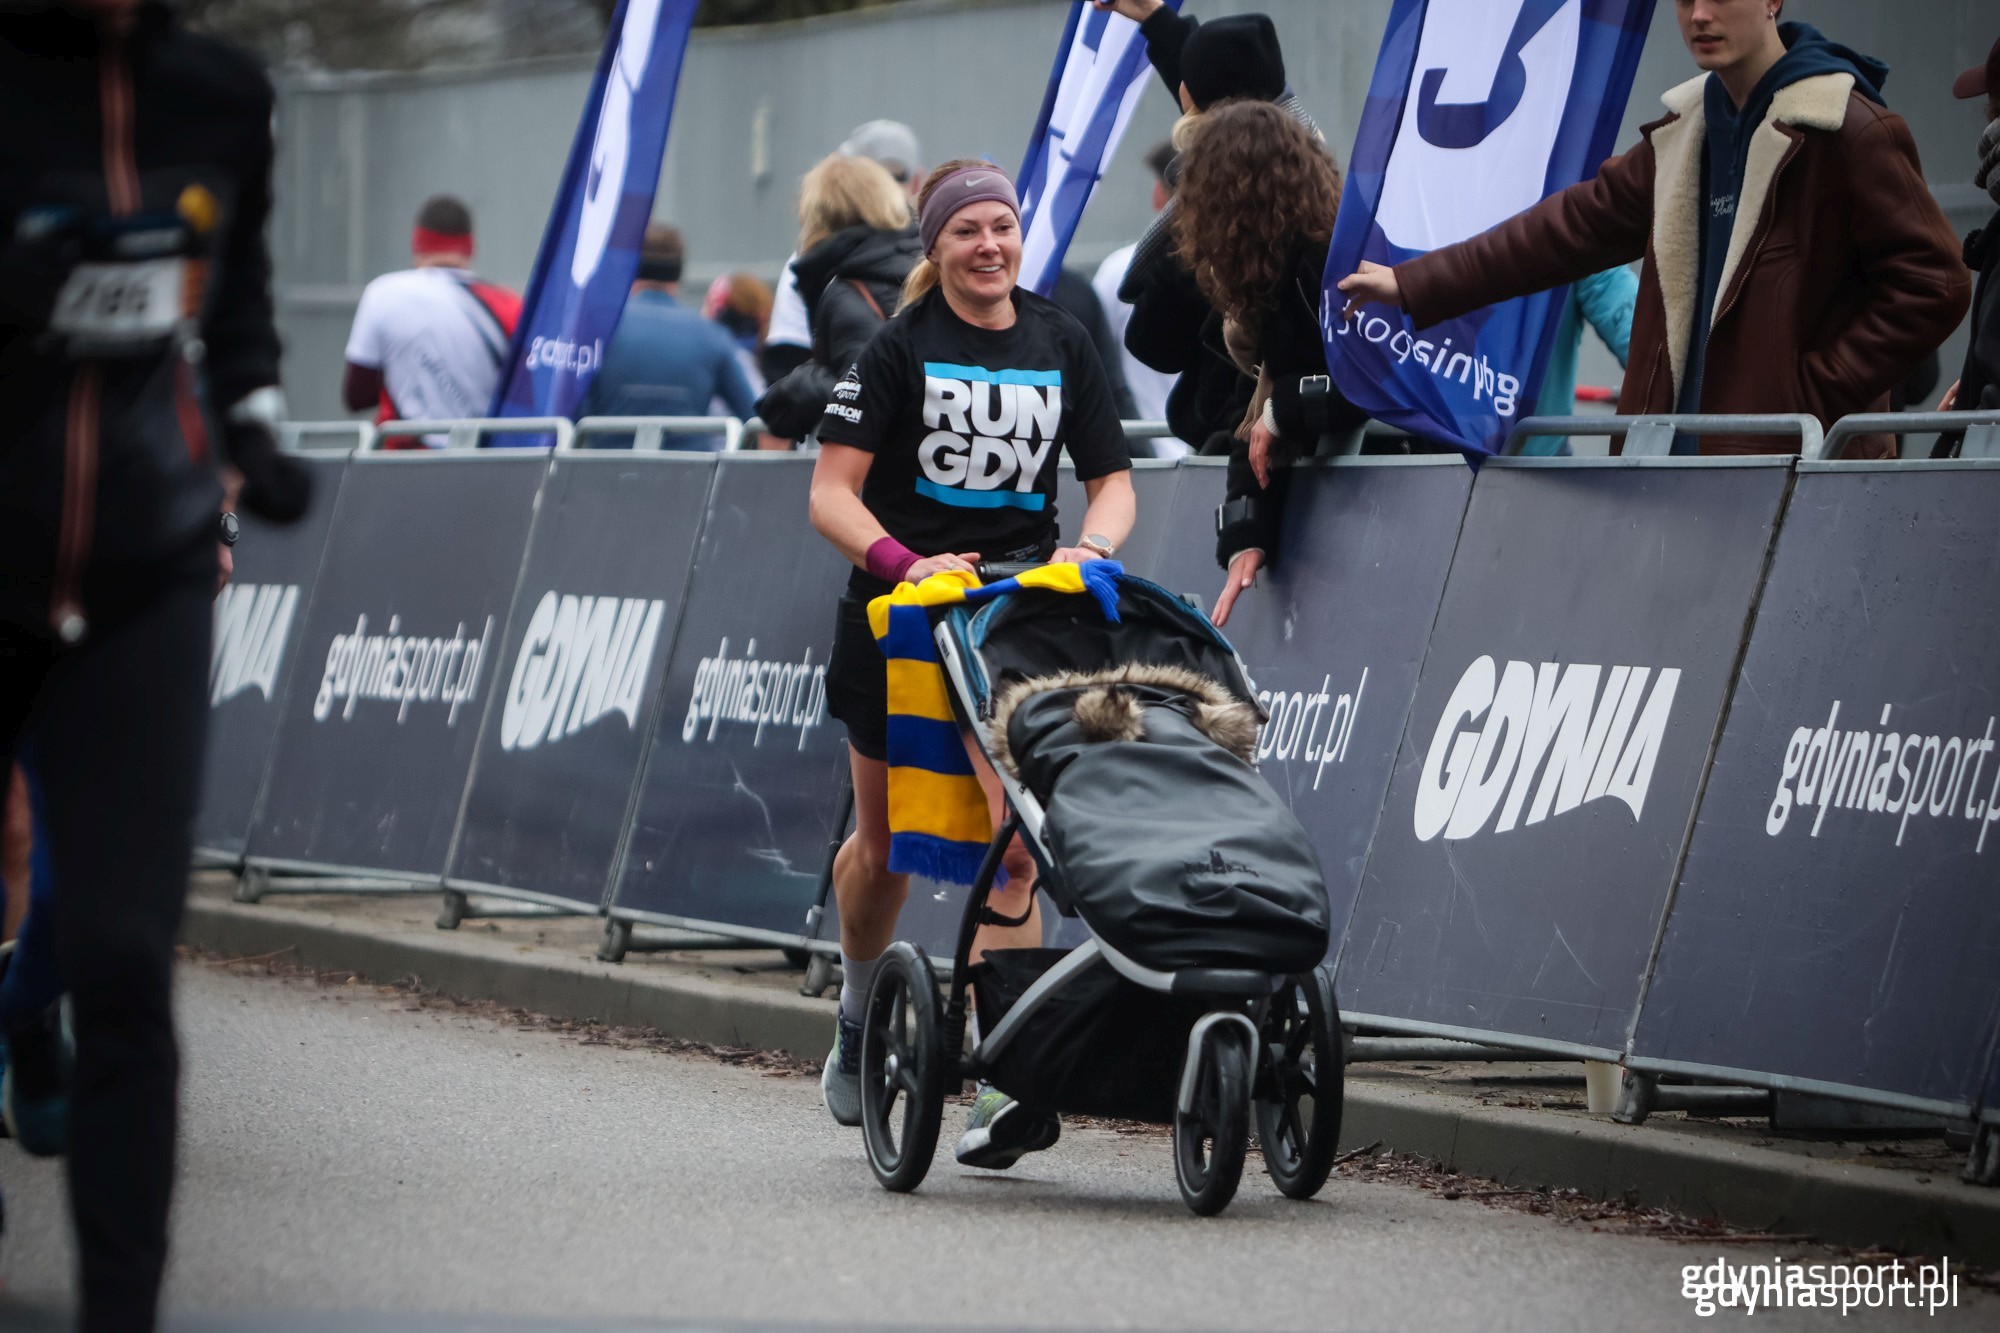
[[1371, 284], [1242, 576]]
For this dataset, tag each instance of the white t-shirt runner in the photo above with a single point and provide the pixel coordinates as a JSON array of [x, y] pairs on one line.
[[439, 336]]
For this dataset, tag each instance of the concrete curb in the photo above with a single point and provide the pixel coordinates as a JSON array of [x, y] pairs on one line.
[[1751, 1188]]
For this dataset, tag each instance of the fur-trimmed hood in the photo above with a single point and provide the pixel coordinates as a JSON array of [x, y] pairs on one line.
[[1817, 102], [1108, 712]]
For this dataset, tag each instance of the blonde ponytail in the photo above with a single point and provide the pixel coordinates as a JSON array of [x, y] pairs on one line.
[[918, 284]]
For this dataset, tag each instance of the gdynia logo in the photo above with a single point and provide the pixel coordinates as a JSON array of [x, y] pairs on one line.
[[755, 692], [402, 669], [990, 434], [583, 658], [1314, 726], [253, 622], [1884, 771], [1586, 743]]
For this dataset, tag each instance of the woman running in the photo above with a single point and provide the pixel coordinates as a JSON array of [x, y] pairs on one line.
[[939, 451]]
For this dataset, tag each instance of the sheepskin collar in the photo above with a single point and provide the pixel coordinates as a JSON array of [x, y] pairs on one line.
[[1110, 714], [1817, 102]]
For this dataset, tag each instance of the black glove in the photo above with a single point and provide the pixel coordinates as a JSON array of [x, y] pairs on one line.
[[1251, 515], [276, 487]]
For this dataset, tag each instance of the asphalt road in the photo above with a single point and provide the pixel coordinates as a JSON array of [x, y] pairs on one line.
[[350, 1163]]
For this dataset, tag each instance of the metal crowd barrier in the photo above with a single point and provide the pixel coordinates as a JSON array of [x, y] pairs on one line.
[[649, 434], [1653, 436], [1981, 430], [468, 433], [1183, 496], [341, 435]]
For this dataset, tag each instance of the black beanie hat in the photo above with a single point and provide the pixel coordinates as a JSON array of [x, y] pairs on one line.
[[1236, 56]]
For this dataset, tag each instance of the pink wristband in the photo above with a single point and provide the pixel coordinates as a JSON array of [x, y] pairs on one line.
[[889, 560]]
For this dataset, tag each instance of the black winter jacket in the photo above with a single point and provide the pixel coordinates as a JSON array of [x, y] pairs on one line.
[[1290, 347], [1979, 380], [1175, 331], [107, 462], [851, 282]]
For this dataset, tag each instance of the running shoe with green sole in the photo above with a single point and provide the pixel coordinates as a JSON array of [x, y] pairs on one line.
[[840, 1084], [1000, 1131]]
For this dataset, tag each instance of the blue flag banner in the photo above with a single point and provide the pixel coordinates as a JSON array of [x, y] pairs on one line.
[[1478, 109], [590, 251], [1099, 76]]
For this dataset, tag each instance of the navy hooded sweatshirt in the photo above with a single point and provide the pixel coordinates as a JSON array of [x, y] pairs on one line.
[[1729, 130]]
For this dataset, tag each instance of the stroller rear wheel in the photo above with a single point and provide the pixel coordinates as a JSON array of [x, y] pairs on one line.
[[902, 1069], [1212, 1135], [1300, 1086]]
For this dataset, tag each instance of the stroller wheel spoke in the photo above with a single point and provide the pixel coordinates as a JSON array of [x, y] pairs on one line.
[[1296, 1039], [1291, 1132]]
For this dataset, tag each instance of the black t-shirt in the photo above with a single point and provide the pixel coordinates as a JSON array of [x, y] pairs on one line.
[[966, 425]]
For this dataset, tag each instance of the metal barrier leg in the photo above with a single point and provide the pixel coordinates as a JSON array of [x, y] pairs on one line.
[[821, 975], [256, 883], [1361, 1050], [621, 938], [819, 966], [1639, 1095], [252, 884], [673, 939], [1635, 1098], [1982, 1164], [459, 907]]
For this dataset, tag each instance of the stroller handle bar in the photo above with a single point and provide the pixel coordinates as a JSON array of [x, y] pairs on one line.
[[992, 571]]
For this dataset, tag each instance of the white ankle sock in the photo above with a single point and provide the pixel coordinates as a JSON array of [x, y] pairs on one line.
[[855, 979]]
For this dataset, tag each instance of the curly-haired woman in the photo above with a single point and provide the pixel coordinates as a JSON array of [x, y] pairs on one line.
[[1254, 213]]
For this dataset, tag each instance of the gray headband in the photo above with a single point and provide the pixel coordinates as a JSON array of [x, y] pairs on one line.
[[967, 185]]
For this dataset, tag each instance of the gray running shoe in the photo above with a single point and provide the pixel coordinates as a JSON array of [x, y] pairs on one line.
[[840, 1084], [1000, 1131]]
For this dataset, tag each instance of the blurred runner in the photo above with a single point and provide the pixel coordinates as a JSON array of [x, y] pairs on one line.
[[136, 351]]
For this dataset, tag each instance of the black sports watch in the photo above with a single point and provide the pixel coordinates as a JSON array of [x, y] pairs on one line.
[[227, 529]]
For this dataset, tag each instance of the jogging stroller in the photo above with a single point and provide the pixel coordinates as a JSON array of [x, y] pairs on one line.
[[1199, 998]]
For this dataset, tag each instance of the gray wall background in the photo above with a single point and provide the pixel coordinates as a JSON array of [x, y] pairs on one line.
[[757, 106]]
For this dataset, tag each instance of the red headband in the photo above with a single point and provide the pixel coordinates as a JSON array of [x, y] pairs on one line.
[[424, 241]]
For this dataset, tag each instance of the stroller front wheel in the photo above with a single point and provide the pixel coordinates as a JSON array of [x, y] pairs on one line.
[[1212, 1134], [1300, 1089], [902, 1069]]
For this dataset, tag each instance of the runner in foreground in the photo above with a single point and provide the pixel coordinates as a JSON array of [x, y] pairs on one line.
[[938, 451]]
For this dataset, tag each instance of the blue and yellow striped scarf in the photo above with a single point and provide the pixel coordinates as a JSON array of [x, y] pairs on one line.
[[939, 825]]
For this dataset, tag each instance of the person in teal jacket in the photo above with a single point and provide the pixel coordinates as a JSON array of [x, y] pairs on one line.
[[1605, 299]]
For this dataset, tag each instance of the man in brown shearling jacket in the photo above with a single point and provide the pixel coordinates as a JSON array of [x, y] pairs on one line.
[[1795, 261]]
